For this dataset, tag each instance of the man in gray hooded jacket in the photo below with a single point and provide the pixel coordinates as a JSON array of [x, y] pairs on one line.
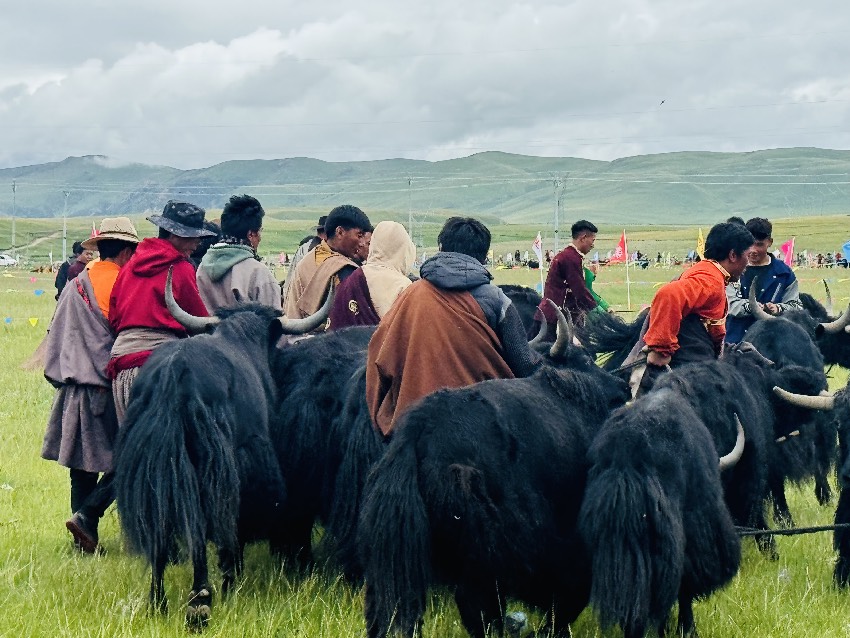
[[231, 271], [452, 328]]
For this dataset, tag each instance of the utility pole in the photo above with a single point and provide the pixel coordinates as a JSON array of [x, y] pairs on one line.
[[560, 184], [14, 214], [65, 226], [410, 208], [557, 183]]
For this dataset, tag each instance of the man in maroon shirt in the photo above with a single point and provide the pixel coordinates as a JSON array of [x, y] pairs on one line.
[[565, 284]]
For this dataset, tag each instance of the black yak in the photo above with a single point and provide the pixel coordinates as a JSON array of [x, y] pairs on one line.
[[653, 517], [312, 378], [479, 489], [194, 462], [839, 405], [789, 339], [525, 300], [324, 438], [841, 537], [742, 383]]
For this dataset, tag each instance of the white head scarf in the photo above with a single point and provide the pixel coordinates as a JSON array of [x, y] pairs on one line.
[[391, 256]]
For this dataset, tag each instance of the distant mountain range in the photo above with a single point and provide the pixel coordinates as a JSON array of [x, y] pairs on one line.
[[671, 188]]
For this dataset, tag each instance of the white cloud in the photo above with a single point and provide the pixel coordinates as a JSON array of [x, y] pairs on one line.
[[192, 84]]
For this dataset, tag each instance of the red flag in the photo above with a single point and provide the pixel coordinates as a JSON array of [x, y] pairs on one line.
[[788, 251], [94, 231], [620, 255]]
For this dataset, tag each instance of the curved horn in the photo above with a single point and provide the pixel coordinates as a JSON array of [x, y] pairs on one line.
[[757, 311], [839, 324], [541, 334], [824, 401], [565, 333], [828, 297], [751, 350], [308, 324], [193, 324], [729, 460]]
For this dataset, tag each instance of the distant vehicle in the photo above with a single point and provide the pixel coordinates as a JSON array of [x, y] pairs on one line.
[[8, 260]]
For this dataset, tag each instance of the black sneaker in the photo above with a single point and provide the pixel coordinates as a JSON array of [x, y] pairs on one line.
[[84, 533]]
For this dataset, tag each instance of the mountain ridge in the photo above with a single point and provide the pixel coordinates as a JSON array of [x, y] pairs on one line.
[[679, 187]]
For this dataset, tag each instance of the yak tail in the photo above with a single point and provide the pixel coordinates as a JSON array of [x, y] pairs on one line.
[[394, 538], [176, 477], [607, 334], [636, 543]]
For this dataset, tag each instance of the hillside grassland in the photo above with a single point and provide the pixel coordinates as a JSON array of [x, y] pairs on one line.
[[47, 590], [681, 187]]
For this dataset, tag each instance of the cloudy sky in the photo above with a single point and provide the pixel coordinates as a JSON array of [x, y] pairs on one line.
[[192, 83]]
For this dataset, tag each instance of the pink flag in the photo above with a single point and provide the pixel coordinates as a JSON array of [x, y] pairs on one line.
[[620, 255], [788, 251]]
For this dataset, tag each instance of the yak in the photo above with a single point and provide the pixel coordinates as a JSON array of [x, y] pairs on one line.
[[194, 461], [525, 300], [838, 406], [479, 489], [653, 516], [743, 383], [321, 428], [841, 536], [312, 378], [789, 340]]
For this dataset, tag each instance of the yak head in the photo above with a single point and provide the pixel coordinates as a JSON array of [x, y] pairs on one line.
[[244, 319], [794, 391]]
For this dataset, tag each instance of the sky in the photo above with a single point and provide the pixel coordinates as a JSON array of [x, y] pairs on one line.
[[193, 83]]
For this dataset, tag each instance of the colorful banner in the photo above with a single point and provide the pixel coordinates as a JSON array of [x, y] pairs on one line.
[[537, 247], [620, 255], [788, 251]]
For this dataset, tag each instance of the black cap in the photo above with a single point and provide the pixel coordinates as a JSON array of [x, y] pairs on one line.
[[182, 219]]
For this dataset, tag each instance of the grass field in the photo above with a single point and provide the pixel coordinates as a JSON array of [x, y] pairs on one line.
[[37, 238], [48, 590]]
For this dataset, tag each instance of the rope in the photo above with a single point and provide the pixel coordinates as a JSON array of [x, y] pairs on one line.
[[750, 531]]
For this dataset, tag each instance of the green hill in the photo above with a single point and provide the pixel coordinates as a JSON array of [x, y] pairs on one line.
[[672, 188]]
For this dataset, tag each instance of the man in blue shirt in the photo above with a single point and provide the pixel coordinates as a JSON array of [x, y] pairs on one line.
[[777, 288]]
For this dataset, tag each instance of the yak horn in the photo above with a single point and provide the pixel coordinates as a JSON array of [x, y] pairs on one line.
[[541, 334], [731, 459], [308, 324], [839, 324], [193, 324], [820, 402], [757, 311], [565, 333], [751, 350]]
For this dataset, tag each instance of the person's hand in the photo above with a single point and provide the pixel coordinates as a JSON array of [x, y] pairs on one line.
[[658, 359], [772, 308]]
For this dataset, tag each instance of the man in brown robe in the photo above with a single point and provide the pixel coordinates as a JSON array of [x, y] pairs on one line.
[[331, 261], [450, 329]]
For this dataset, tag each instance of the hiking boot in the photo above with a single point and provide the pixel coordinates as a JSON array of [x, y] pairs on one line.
[[84, 532]]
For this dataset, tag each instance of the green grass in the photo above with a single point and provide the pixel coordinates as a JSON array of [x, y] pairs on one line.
[[48, 590]]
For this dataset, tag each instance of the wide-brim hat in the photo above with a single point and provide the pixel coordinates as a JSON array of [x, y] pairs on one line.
[[113, 228], [182, 219]]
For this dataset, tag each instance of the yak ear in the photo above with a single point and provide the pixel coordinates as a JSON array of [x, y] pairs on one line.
[[275, 332]]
